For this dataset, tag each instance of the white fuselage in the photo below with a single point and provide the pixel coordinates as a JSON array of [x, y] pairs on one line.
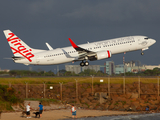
[[69, 54]]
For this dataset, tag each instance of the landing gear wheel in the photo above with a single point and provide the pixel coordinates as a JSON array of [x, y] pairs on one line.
[[82, 64], [142, 53], [86, 63]]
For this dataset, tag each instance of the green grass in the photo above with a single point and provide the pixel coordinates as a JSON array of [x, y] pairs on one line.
[[56, 80], [5, 106]]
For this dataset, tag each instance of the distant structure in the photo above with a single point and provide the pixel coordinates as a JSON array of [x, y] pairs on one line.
[[119, 69], [131, 66], [73, 68], [30, 68], [77, 68], [151, 67], [130, 63], [110, 68], [5, 70], [92, 67]]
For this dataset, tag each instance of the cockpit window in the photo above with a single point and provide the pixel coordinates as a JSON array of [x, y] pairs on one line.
[[146, 38]]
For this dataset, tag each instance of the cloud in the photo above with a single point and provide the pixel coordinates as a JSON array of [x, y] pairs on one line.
[[41, 7], [71, 13], [117, 10]]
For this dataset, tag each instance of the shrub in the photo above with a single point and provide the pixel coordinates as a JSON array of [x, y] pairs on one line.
[[7, 98]]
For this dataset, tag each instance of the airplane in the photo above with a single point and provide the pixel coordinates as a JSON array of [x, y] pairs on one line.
[[84, 52]]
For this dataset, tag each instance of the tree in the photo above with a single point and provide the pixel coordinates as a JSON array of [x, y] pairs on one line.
[[49, 73], [62, 72], [99, 73], [88, 72]]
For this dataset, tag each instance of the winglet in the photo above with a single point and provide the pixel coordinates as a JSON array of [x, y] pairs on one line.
[[79, 49], [73, 44]]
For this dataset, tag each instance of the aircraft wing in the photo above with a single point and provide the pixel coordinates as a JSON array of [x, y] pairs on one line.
[[81, 51]]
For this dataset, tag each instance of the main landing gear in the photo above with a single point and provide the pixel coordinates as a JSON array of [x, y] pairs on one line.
[[84, 63]]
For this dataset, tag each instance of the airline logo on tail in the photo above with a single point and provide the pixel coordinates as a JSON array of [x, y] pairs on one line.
[[18, 47]]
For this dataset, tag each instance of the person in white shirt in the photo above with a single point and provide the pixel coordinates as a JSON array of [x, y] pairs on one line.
[[73, 111], [28, 108]]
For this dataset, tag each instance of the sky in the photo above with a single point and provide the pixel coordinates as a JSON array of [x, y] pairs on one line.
[[54, 21]]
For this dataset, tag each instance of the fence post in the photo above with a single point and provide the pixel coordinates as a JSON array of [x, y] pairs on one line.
[[124, 85], [100, 98], [9, 85], [44, 89], [26, 89], [61, 90], [76, 90], [158, 85], [109, 86], [139, 86], [92, 85]]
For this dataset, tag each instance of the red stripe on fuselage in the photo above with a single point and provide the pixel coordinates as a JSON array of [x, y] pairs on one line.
[[108, 54]]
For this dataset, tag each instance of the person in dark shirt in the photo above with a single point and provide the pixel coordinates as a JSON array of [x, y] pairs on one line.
[[147, 108], [41, 109]]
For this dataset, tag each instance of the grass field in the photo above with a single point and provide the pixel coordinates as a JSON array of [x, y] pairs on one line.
[[56, 80]]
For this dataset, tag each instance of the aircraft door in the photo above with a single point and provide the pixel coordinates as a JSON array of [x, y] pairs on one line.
[[139, 40]]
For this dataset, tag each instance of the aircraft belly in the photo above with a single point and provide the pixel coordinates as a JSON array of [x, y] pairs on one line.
[[60, 60], [123, 49], [118, 50]]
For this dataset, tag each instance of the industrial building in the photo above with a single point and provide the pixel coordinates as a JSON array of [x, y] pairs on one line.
[[92, 67], [151, 67], [110, 68], [77, 68], [73, 68]]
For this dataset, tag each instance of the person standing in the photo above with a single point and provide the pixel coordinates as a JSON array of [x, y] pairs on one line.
[[28, 108], [73, 112], [41, 109]]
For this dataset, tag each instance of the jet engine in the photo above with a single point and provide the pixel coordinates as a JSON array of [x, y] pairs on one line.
[[103, 54]]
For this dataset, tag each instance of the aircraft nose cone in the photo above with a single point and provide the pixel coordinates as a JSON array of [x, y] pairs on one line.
[[153, 41]]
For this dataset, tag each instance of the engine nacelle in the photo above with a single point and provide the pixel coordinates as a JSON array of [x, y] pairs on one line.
[[103, 55]]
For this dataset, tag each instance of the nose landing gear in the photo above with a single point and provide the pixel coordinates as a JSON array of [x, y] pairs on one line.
[[142, 53]]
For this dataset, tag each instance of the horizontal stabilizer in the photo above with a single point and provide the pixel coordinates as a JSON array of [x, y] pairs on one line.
[[17, 58]]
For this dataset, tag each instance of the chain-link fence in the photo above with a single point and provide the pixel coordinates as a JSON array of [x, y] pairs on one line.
[[80, 88]]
